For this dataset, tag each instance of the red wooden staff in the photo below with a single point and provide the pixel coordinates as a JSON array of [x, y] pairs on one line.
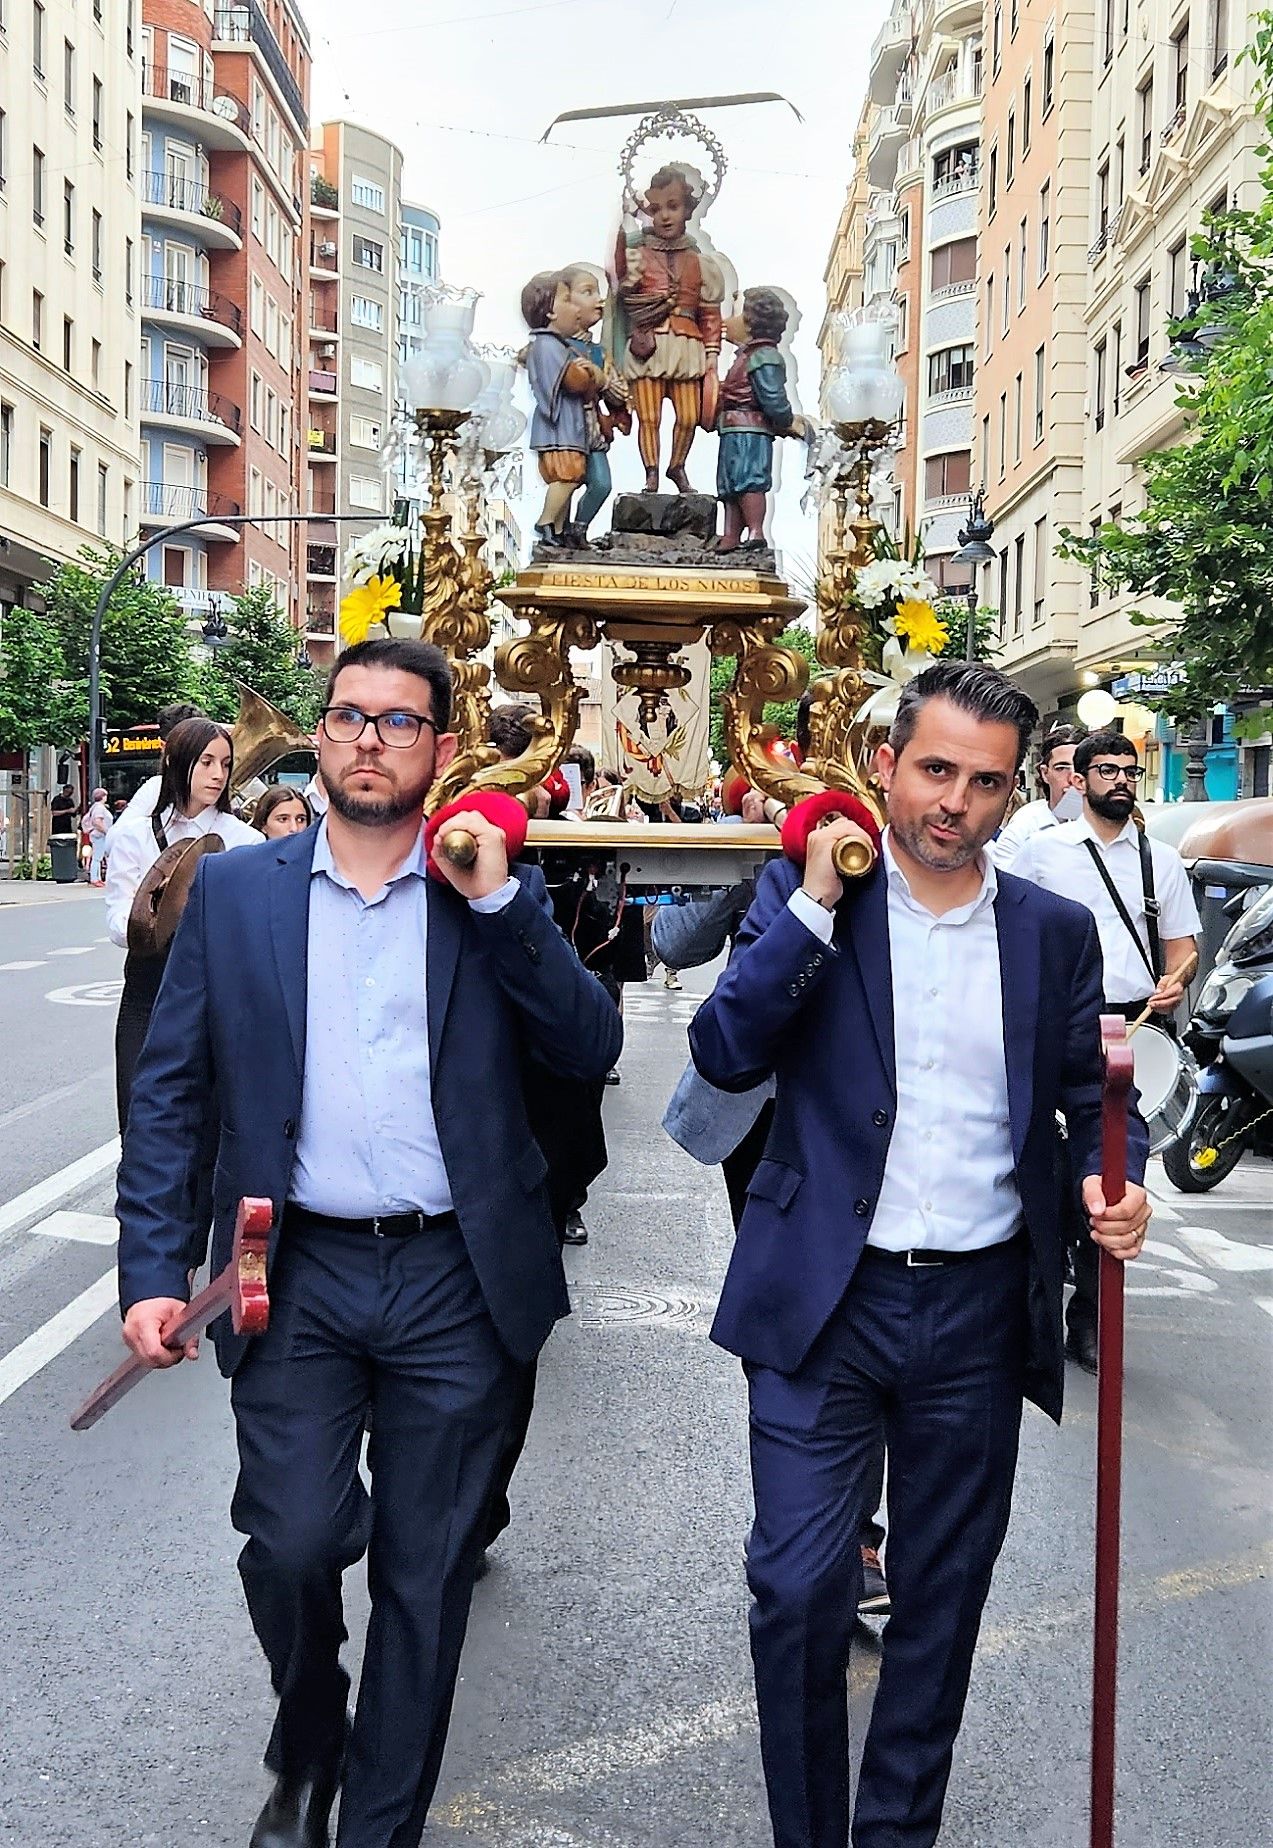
[[1109, 1433], [240, 1288]]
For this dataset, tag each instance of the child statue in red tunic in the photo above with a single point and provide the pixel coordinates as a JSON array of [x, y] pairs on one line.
[[671, 292]]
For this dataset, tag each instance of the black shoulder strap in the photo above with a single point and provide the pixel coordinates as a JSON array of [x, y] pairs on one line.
[[1151, 904], [1150, 917], [157, 829]]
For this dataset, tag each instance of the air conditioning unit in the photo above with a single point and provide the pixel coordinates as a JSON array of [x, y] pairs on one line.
[[328, 351], [327, 249]]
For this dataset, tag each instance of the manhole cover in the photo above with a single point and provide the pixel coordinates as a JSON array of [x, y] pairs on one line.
[[607, 1306]]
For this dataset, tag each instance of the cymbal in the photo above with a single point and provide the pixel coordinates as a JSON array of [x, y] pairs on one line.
[[162, 894]]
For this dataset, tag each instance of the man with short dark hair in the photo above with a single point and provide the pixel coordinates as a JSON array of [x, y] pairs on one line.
[[358, 1032], [1138, 892], [1055, 771], [897, 1275]]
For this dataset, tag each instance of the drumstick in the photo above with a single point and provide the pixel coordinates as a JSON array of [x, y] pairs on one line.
[[1175, 975]]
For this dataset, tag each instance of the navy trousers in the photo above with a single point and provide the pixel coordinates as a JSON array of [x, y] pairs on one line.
[[928, 1361], [398, 1326]]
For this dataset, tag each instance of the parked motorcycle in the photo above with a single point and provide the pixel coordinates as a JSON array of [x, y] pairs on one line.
[[1229, 1036]]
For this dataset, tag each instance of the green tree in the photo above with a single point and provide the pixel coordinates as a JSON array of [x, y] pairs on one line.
[[1204, 540], [39, 702], [262, 652], [146, 661], [782, 714]]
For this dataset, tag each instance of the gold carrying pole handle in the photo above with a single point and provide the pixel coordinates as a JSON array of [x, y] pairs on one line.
[[459, 847], [852, 859]]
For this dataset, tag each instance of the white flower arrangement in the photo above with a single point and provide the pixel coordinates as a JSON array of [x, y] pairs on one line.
[[374, 554], [892, 581]]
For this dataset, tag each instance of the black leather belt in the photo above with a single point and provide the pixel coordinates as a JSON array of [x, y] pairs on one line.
[[381, 1225], [922, 1258]]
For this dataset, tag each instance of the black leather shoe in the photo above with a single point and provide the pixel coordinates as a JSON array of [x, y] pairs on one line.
[[576, 1232], [296, 1814], [1081, 1348]]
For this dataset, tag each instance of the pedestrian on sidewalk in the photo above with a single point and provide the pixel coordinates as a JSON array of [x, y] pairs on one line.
[[1138, 892], [355, 1030], [97, 823], [899, 1266]]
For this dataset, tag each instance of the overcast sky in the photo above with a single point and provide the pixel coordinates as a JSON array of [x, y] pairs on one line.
[[466, 93]]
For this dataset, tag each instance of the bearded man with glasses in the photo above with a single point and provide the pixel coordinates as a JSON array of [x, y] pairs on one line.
[[358, 1032], [1138, 891]]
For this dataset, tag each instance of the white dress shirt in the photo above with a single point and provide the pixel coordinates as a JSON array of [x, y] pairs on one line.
[[367, 1142], [1025, 824], [134, 850], [950, 1178], [1059, 861]]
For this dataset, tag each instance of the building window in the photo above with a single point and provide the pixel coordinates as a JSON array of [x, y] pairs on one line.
[[1098, 385], [364, 432], [1011, 164], [1007, 287], [1016, 418], [365, 491], [95, 365], [1049, 71], [3, 148], [73, 487], [996, 38], [992, 186], [1177, 274], [1180, 65], [37, 320], [1027, 97], [951, 369], [953, 168], [366, 374], [97, 114], [68, 78], [46, 464], [990, 314], [1021, 266], [128, 271], [1219, 37], [1040, 566], [1142, 321], [1094, 579], [130, 143], [369, 255], [1117, 332], [1014, 17], [1102, 202], [954, 263], [37, 46], [1045, 228], [1120, 172], [1003, 434], [1040, 386], [368, 194], [37, 186], [68, 218], [6, 443], [1107, 31], [1003, 593], [363, 312], [947, 474], [1018, 581], [128, 388], [68, 343], [1145, 121]]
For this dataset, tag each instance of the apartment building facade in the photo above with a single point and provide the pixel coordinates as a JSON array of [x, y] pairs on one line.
[[224, 126], [354, 257], [69, 244]]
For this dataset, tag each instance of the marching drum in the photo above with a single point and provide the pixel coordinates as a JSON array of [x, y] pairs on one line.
[[1167, 1079]]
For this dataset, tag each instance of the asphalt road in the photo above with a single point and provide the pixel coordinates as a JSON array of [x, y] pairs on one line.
[[606, 1693]]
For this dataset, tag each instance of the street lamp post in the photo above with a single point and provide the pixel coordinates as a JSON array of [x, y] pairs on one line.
[[974, 551], [96, 721]]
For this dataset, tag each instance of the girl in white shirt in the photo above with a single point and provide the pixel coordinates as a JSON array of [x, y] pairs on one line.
[[193, 799]]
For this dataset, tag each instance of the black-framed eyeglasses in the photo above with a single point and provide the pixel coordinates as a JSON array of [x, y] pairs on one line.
[[1112, 772], [400, 730]]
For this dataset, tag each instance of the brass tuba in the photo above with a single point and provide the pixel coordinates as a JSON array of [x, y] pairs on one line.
[[261, 735]]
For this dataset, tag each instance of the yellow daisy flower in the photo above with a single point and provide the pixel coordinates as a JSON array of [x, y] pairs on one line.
[[917, 623], [365, 605]]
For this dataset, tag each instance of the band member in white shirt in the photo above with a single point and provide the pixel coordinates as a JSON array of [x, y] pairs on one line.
[[1138, 892], [1059, 802], [193, 798]]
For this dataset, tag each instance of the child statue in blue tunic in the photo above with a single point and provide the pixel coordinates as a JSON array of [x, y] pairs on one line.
[[754, 410]]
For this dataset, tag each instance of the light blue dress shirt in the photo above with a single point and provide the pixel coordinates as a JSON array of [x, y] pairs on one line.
[[367, 1142]]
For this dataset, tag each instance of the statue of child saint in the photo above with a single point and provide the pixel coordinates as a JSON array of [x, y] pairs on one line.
[[606, 409], [670, 291], [562, 380], [754, 410]]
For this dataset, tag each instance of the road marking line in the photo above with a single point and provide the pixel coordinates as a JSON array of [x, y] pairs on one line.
[[83, 1228], [1265, 1303], [78, 949], [102, 1078], [54, 1188], [57, 1334], [23, 965], [1228, 1254]]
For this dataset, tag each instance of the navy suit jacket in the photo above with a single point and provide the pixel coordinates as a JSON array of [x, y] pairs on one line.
[[227, 1041], [820, 1017]]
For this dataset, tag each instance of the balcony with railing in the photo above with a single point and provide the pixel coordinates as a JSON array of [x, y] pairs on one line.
[[245, 23], [224, 119], [220, 222], [322, 446], [951, 88], [165, 401], [220, 321], [320, 560], [165, 505], [324, 198], [323, 321], [324, 255], [889, 133], [1106, 233], [323, 384]]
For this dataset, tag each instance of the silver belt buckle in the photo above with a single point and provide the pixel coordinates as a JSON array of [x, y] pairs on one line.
[[916, 1261], [375, 1225]]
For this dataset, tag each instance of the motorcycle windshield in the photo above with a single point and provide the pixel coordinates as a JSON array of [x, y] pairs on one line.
[[1252, 935]]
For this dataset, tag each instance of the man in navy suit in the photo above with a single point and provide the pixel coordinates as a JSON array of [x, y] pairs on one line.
[[898, 1270], [360, 1031]]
